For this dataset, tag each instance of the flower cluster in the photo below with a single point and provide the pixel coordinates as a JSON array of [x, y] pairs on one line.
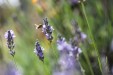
[[69, 51], [38, 50], [65, 47], [68, 54], [46, 29], [9, 35]]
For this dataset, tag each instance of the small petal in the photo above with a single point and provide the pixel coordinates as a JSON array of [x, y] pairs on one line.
[[79, 50], [83, 36]]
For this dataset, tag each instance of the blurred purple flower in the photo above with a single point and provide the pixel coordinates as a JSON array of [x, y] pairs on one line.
[[11, 69], [76, 51], [65, 47], [83, 36], [68, 54], [9, 35], [67, 62], [38, 50], [79, 35]]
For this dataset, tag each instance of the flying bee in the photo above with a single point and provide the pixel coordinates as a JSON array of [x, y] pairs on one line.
[[38, 26]]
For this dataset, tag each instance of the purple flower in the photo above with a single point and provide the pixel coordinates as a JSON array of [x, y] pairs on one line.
[[65, 47], [68, 54], [9, 35], [76, 51], [38, 50], [47, 29], [83, 36]]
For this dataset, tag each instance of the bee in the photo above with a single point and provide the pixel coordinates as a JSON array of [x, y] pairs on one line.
[[38, 26]]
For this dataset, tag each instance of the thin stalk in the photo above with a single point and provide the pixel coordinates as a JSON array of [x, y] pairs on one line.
[[107, 64], [15, 65], [93, 41], [88, 61], [82, 70]]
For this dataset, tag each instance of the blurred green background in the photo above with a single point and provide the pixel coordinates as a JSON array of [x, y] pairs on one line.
[[21, 15]]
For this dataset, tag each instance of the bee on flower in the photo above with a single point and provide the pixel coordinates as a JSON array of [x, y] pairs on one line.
[[46, 29]]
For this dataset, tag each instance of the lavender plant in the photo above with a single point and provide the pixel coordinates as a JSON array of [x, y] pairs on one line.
[[67, 48], [70, 51], [68, 55], [39, 51], [9, 35], [46, 29]]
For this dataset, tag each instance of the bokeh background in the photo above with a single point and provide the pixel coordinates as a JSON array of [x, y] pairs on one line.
[[21, 15]]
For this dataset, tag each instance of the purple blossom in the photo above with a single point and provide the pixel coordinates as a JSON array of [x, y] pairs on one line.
[[83, 36], [65, 47], [38, 50], [9, 35], [68, 54], [76, 51], [47, 29]]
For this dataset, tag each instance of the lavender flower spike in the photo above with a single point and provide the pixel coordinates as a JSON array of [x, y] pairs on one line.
[[47, 30], [9, 35], [38, 50]]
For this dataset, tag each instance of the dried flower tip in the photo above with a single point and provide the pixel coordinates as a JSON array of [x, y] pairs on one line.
[[45, 21]]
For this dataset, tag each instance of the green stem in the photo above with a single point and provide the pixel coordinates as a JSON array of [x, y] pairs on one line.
[[93, 41], [88, 61], [15, 64], [82, 70]]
